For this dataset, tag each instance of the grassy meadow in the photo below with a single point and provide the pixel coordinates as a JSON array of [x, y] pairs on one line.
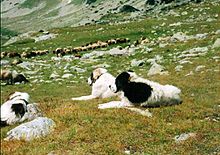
[[83, 129]]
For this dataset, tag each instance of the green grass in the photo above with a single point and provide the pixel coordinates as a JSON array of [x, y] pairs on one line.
[[30, 4], [81, 128]]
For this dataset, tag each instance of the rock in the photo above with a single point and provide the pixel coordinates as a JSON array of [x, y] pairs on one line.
[[157, 69], [117, 51], [136, 63], [4, 62], [173, 13], [157, 59], [36, 128], [217, 32], [176, 24], [25, 65], [145, 112], [77, 69], [67, 76], [183, 137], [183, 61], [128, 8], [200, 36], [199, 68], [179, 36], [66, 71], [184, 13], [190, 73], [45, 37], [216, 44], [195, 52], [54, 76], [94, 54], [32, 112], [178, 68]]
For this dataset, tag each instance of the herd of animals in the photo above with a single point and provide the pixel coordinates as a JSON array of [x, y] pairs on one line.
[[132, 90], [64, 51]]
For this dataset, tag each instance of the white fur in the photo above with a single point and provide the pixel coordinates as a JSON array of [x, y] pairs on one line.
[[6, 112], [161, 94], [19, 95], [120, 104], [100, 89]]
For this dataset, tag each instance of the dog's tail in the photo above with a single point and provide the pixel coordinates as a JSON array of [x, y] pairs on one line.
[[164, 103], [171, 92]]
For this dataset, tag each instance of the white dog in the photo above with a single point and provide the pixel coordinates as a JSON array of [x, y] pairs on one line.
[[100, 80], [14, 108], [136, 91], [17, 108]]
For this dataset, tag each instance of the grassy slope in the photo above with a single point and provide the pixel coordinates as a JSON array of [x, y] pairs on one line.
[[83, 129]]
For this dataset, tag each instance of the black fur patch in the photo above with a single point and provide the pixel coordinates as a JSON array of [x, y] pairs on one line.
[[136, 92], [3, 124], [18, 109], [92, 79], [20, 78]]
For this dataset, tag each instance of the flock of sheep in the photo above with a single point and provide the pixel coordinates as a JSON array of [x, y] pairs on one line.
[[64, 51], [11, 77]]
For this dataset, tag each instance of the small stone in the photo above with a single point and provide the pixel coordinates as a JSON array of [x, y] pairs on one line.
[[183, 137], [67, 76], [216, 44], [178, 68], [157, 69], [136, 63], [199, 68]]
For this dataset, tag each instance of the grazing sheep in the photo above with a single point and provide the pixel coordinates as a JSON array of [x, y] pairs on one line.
[[3, 54], [6, 75], [19, 78], [12, 77], [58, 51], [111, 41], [13, 54]]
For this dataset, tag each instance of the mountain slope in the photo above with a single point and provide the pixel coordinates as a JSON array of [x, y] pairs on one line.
[[26, 15]]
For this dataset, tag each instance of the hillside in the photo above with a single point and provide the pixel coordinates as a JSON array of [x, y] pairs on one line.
[[29, 15], [183, 41]]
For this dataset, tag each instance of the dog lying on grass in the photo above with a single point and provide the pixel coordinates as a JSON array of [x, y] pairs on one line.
[[100, 80], [18, 108], [136, 91]]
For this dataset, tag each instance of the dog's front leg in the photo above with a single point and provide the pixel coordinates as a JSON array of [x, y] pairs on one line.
[[113, 104], [89, 97]]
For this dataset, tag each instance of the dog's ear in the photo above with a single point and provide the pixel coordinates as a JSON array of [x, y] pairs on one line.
[[130, 70], [133, 75], [9, 96], [97, 72]]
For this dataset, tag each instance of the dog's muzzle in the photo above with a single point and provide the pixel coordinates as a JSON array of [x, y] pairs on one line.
[[113, 88], [89, 81]]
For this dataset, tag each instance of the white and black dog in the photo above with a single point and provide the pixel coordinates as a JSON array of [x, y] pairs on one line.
[[137, 91], [100, 80], [14, 108]]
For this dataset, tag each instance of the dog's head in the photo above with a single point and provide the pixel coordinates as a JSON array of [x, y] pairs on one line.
[[95, 75], [19, 96], [121, 81]]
